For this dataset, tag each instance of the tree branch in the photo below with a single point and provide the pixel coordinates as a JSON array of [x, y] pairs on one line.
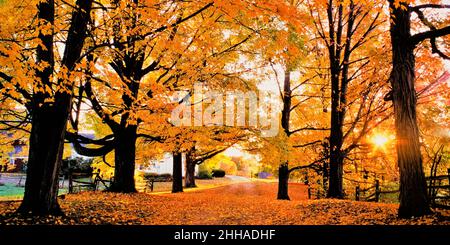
[[419, 37], [75, 137], [430, 5], [308, 128], [434, 47], [150, 137], [308, 144], [200, 159], [309, 165], [99, 109], [107, 143]]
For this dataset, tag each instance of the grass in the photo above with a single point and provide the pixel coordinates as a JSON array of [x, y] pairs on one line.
[[11, 191], [389, 198]]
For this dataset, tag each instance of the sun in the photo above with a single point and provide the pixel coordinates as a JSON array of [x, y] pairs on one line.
[[379, 140]]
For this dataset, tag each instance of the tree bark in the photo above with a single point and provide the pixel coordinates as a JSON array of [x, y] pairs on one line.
[[413, 194], [339, 82], [177, 184], [45, 154], [189, 178], [49, 120], [283, 182], [125, 133], [287, 102], [283, 170], [335, 187], [124, 160]]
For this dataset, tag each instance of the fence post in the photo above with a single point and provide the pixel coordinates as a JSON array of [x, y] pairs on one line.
[[61, 177], [96, 181], [448, 175], [20, 181], [357, 193], [70, 183], [377, 191]]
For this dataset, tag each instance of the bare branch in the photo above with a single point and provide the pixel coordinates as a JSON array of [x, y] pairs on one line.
[[308, 129], [420, 37]]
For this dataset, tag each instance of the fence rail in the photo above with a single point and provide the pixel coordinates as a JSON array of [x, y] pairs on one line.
[[88, 181], [438, 192], [373, 193]]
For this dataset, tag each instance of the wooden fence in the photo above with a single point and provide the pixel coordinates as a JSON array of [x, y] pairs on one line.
[[86, 181], [370, 194], [437, 188]]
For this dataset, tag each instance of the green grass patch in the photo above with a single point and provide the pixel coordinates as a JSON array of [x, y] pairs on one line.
[[11, 191]]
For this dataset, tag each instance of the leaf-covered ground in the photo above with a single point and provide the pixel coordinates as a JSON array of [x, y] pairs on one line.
[[250, 203]]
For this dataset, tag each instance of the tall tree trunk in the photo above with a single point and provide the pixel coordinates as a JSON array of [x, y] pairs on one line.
[[126, 132], [413, 194], [283, 182], [283, 170], [45, 154], [177, 184], [49, 120], [335, 189], [189, 178], [125, 154], [287, 102]]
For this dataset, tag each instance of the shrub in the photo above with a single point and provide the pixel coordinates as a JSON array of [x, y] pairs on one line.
[[159, 177], [263, 175], [204, 175], [150, 175], [77, 164], [219, 173], [168, 177]]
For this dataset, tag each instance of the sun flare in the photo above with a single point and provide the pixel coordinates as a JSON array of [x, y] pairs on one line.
[[379, 140]]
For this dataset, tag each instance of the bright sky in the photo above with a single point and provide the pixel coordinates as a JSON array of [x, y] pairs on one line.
[[234, 152]]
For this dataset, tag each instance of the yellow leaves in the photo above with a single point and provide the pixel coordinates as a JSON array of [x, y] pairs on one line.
[[251, 203], [220, 161], [99, 166], [402, 4], [11, 21]]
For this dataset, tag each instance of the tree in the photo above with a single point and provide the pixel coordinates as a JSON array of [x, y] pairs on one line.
[[351, 31], [129, 54], [50, 101], [177, 184], [434, 119], [198, 154], [134, 100], [189, 177], [284, 171], [350, 26], [413, 191]]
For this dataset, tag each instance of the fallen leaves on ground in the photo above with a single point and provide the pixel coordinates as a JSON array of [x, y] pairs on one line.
[[238, 204]]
